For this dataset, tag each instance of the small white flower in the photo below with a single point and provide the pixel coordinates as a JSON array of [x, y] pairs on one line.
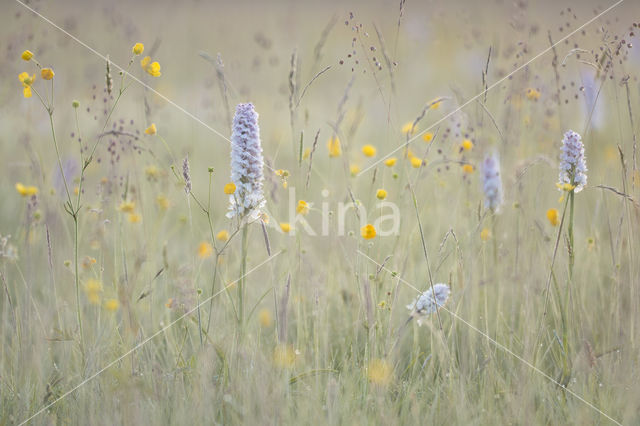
[[428, 302], [573, 164]]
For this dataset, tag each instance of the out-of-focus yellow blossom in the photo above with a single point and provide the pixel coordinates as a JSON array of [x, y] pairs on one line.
[[369, 150], [379, 372], [163, 202], [306, 153], [485, 234], [46, 73], [144, 62], [134, 217], [151, 130], [283, 174], [223, 235], [533, 94], [93, 289], [138, 48], [286, 228], [467, 168], [381, 194], [566, 186], [335, 150], [368, 231], [415, 162], [27, 55], [152, 172], [302, 208], [284, 355], [230, 188], [265, 318], [26, 191], [111, 305], [204, 250], [408, 127], [354, 169], [435, 104], [127, 206], [552, 216], [427, 137], [467, 145], [390, 162]]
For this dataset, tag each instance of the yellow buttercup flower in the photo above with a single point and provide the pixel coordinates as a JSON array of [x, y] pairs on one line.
[[381, 194], [485, 234], [368, 231], [354, 169], [306, 153], [302, 208], [204, 250], [26, 81], [138, 48], [47, 73], [286, 228], [223, 235], [390, 162], [467, 145], [415, 162], [111, 305], [566, 186], [334, 147], [144, 62], [467, 168], [427, 137], [153, 69], [26, 191], [151, 130], [27, 55], [230, 188], [552, 216], [369, 150]]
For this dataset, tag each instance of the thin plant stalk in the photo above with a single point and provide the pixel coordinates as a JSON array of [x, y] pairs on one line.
[[241, 282]]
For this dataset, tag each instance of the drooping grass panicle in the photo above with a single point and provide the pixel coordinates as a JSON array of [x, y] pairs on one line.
[[492, 182], [246, 164], [186, 175], [573, 163]]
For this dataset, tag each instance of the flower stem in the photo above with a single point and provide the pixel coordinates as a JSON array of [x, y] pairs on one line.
[[570, 230], [241, 282], [566, 367]]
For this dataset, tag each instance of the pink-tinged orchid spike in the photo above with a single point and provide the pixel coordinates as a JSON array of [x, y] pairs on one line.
[[573, 164], [246, 165]]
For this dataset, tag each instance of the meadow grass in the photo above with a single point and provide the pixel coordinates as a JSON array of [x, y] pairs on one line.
[[129, 296]]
